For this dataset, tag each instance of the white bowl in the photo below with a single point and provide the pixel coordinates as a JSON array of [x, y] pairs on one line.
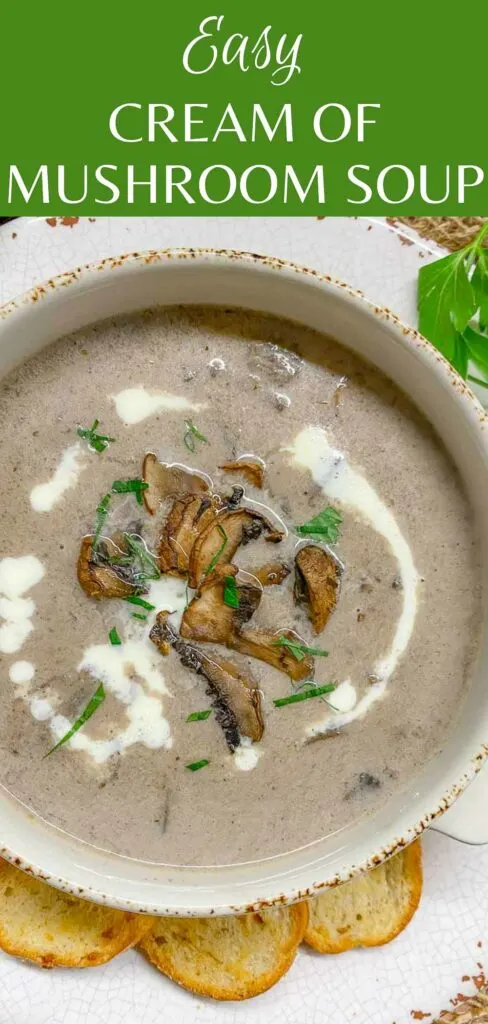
[[257, 282]]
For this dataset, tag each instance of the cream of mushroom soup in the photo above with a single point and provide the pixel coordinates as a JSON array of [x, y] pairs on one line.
[[239, 586]]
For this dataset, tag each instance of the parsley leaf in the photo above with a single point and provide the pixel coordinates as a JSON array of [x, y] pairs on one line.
[[295, 698], [102, 512], [451, 292], [136, 487], [191, 435], [477, 345], [196, 765], [91, 707], [231, 593], [98, 442], [300, 650], [446, 301], [480, 285], [199, 716], [323, 527]]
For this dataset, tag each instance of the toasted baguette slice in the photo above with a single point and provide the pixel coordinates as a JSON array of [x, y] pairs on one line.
[[227, 957], [53, 929], [371, 909]]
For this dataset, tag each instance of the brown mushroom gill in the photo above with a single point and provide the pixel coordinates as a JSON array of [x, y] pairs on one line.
[[189, 516], [263, 644], [168, 480], [317, 579], [272, 574], [251, 469], [235, 698], [100, 577], [208, 619], [236, 527]]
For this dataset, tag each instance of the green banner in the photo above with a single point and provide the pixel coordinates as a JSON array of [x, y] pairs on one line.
[[216, 108]]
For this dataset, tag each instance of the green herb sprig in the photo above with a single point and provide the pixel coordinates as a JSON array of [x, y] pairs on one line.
[[295, 698], [231, 593], [136, 487], [452, 304], [102, 512], [299, 650], [91, 707], [199, 716], [98, 442], [192, 435], [135, 599], [213, 561], [149, 569], [323, 527], [196, 765]]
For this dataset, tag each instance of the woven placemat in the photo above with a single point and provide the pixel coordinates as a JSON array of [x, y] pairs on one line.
[[451, 232]]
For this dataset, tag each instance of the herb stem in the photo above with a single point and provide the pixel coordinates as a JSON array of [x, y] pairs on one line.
[[91, 707]]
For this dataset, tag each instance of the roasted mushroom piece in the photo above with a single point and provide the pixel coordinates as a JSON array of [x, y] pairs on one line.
[[223, 536], [160, 632], [263, 644], [168, 480], [189, 515], [102, 573], [317, 579], [236, 699], [209, 619], [272, 574], [251, 469]]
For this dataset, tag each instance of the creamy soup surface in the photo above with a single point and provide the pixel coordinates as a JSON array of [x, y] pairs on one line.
[[391, 655]]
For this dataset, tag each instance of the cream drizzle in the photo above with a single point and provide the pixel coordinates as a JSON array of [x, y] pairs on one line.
[[130, 672], [341, 482], [136, 404], [17, 575], [45, 496]]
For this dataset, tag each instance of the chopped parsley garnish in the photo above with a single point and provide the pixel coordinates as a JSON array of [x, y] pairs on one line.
[[136, 487], [323, 527], [196, 765], [192, 435], [314, 691], [135, 599], [98, 442], [199, 716], [149, 566], [300, 650], [114, 637], [139, 615], [102, 513], [91, 707], [231, 593], [213, 562]]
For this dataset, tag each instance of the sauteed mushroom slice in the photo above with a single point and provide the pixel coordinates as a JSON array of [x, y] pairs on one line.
[[317, 579], [166, 480], [160, 632], [98, 576], [272, 574], [222, 537], [235, 698], [251, 469], [189, 515], [261, 644], [208, 619]]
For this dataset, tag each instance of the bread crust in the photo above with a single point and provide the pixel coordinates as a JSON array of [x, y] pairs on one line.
[[54, 929], [164, 944], [404, 870]]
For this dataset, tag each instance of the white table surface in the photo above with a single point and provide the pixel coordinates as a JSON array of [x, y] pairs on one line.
[[423, 968]]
